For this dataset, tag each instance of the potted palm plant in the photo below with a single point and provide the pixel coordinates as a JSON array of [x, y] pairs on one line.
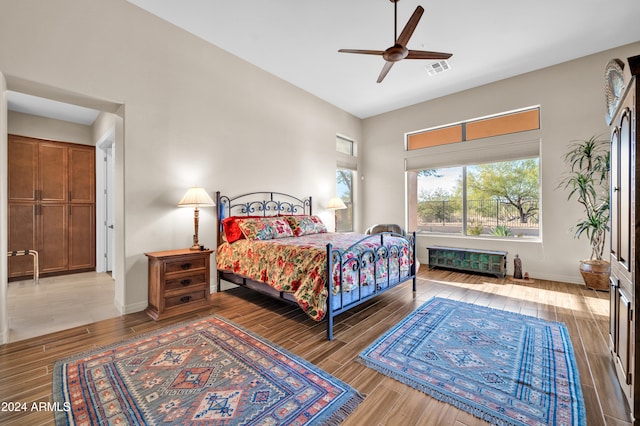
[[588, 182]]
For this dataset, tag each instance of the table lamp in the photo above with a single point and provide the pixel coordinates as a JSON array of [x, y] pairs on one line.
[[334, 204], [196, 197]]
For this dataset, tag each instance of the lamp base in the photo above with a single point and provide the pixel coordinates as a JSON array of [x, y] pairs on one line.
[[195, 247]]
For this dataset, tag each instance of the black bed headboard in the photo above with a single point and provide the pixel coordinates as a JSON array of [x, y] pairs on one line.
[[259, 204]]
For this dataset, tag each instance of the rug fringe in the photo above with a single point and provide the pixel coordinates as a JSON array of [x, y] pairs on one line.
[[343, 412], [434, 393]]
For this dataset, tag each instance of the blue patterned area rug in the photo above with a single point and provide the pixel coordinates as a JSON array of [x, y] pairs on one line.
[[502, 367], [208, 372]]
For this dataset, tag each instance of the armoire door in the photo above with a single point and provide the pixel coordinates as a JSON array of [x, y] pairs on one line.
[[53, 173], [622, 295], [52, 237], [82, 173], [82, 213], [22, 190], [621, 332], [22, 236], [22, 170], [624, 244], [52, 210], [82, 249]]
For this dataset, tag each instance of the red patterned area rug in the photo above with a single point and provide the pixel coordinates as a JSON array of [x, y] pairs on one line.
[[505, 368], [208, 372]]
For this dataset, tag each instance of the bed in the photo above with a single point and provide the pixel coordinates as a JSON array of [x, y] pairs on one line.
[[272, 243]]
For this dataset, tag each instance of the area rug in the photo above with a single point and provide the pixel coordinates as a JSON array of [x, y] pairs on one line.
[[505, 368], [208, 372]]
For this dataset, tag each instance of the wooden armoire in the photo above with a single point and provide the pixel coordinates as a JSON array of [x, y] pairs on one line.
[[624, 331], [51, 189]]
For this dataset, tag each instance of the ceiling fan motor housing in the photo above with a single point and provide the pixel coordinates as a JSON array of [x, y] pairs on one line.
[[395, 53]]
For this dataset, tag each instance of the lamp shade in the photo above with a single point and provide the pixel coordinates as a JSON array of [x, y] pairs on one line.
[[196, 197], [336, 203]]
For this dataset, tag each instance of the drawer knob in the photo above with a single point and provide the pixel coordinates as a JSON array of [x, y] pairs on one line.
[[185, 282], [185, 299], [185, 265]]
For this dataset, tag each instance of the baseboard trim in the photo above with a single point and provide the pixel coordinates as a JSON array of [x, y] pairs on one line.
[[132, 308]]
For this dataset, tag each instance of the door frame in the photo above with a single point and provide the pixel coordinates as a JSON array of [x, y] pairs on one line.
[[105, 240]]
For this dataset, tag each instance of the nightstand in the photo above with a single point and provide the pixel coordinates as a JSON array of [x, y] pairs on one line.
[[178, 282]]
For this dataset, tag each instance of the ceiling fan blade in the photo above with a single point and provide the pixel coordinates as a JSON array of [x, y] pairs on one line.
[[423, 54], [411, 25], [363, 52], [385, 71]]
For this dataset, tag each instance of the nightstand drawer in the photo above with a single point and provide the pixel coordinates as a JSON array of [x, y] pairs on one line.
[[184, 298], [186, 264], [185, 281]]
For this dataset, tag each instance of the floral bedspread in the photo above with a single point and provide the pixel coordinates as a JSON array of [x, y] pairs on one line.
[[298, 264]]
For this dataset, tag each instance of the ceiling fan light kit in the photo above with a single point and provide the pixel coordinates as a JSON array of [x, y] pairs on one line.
[[399, 50]]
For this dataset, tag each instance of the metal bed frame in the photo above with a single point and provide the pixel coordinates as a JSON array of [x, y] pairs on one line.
[[275, 203]]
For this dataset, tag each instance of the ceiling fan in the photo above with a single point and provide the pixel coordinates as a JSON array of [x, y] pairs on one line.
[[399, 50]]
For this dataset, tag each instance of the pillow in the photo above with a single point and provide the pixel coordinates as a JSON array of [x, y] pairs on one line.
[[231, 229], [265, 228], [305, 225]]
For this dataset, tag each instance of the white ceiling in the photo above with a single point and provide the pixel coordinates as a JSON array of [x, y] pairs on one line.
[[28, 104], [298, 41]]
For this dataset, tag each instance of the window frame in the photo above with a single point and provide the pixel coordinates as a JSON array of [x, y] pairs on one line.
[[349, 203], [414, 202], [345, 161]]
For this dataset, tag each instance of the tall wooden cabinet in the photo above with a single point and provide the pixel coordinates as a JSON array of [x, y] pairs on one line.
[[51, 205], [624, 329]]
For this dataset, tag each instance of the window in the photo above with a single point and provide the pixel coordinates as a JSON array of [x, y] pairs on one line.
[[476, 177], [344, 190], [496, 125], [344, 145], [488, 199], [345, 179]]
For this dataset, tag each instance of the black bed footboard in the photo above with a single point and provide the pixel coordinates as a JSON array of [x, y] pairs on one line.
[[395, 254]]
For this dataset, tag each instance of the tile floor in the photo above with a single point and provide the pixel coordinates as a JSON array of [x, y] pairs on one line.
[[58, 303]]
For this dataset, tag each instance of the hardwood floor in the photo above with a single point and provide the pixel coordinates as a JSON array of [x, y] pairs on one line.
[[25, 366]]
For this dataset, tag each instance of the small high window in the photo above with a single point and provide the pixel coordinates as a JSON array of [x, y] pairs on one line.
[[344, 145]]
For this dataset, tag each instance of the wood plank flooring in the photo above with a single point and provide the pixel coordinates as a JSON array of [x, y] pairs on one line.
[[26, 365]]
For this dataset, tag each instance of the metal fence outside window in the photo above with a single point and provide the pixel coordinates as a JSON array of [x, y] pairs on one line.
[[482, 216]]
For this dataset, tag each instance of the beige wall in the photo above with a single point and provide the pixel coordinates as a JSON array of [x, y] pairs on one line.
[[572, 102], [4, 318], [192, 115], [49, 129]]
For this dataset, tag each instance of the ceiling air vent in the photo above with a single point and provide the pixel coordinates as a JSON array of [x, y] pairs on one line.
[[438, 67]]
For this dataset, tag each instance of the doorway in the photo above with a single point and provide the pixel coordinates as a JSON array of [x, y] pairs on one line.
[[107, 121]]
